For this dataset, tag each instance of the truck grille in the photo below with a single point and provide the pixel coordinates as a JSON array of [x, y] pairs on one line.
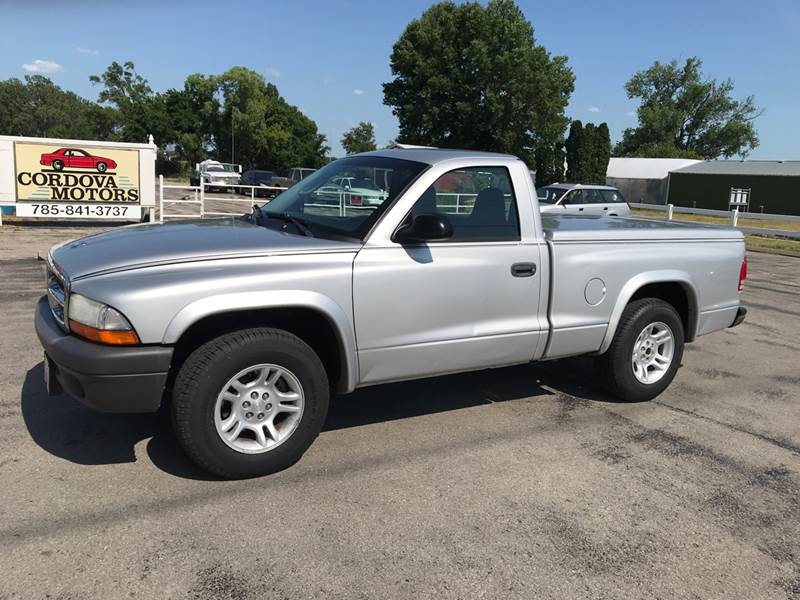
[[57, 294]]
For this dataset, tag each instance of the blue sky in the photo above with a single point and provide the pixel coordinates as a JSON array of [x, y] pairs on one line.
[[330, 58]]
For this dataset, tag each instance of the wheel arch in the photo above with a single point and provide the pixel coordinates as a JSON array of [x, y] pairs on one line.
[[314, 318], [674, 287]]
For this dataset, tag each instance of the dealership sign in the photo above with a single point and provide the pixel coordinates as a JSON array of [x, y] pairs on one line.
[[78, 179]]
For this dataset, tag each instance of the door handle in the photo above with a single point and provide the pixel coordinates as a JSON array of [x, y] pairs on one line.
[[605, 208], [580, 209], [523, 269]]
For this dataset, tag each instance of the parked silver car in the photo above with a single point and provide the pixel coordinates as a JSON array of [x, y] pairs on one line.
[[576, 198], [244, 326]]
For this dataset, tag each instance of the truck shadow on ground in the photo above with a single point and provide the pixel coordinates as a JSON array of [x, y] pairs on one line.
[[66, 429]]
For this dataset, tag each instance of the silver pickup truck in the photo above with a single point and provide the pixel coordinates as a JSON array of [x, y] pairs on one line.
[[245, 325]]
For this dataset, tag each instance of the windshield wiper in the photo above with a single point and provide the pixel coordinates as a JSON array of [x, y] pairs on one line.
[[294, 221]]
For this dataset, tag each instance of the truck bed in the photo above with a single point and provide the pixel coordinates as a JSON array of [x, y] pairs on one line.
[[596, 263], [592, 228]]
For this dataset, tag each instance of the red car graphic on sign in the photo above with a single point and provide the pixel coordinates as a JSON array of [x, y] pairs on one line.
[[77, 159]]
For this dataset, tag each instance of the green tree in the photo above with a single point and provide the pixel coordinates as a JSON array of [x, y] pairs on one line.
[[192, 111], [268, 132], [473, 77], [37, 107], [572, 147], [199, 121], [139, 112], [360, 138], [683, 114], [588, 150], [601, 153], [585, 152]]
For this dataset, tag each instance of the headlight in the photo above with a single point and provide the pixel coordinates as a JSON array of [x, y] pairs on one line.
[[99, 322]]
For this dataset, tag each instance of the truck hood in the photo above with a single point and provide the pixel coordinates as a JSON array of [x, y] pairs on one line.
[[139, 246]]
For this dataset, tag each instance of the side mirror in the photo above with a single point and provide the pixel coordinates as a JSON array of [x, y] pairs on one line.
[[424, 228]]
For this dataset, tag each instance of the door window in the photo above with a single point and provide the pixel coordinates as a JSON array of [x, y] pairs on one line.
[[592, 197], [574, 197], [479, 202], [612, 196]]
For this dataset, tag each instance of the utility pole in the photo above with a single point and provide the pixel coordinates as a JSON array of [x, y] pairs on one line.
[[233, 159]]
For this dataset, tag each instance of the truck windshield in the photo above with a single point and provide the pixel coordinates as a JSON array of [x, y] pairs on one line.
[[324, 205]]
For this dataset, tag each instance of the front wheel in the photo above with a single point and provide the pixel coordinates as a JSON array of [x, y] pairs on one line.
[[646, 351], [102, 167], [250, 402]]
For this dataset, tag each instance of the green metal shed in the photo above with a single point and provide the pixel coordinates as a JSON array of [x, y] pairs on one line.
[[774, 185]]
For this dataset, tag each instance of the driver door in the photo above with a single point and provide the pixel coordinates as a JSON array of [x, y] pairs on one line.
[[458, 304]]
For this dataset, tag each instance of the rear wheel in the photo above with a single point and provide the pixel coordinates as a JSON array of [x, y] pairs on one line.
[[58, 164], [646, 351], [249, 403]]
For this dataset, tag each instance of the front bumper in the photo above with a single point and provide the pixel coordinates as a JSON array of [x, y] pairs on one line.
[[106, 378], [740, 315]]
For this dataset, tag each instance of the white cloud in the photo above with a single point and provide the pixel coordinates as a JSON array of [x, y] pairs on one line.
[[272, 72], [594, 109], [630, 113], [42, 66], [82, 50], [358, 92]]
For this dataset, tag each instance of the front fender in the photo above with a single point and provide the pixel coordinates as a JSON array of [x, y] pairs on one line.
[[222, 303], [643, 279]]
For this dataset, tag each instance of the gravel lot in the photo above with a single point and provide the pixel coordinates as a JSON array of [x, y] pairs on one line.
[[525, 482]]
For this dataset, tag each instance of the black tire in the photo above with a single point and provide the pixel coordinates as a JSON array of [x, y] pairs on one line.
[[615, 365], [58, 164], [206, 371], [101, 167]]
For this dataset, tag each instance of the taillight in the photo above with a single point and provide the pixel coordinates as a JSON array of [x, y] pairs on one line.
[[742, 273], [355, 200]]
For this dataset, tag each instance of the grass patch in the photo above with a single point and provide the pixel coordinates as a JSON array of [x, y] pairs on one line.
[[767, 244], [713, 220]]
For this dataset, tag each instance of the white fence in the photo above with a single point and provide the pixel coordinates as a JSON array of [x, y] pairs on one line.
[[733, 215], [207, 206], [716, 213]]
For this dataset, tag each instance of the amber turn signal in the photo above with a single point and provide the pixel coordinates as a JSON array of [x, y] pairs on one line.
[[104, 336]]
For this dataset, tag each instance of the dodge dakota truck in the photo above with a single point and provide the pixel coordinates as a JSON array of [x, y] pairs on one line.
[[244, 326]]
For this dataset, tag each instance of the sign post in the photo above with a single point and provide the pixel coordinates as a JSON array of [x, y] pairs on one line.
[[77, 179]]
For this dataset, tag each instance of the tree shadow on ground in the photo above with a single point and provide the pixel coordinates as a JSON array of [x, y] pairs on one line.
[[66, 429]]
